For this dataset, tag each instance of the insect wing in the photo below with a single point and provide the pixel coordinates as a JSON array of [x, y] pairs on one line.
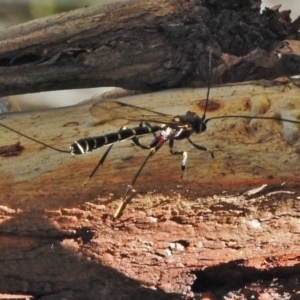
[[109, 111]]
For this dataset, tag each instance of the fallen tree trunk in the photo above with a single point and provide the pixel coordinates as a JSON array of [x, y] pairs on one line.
[[176, 236], [146, 45], [205, 234]]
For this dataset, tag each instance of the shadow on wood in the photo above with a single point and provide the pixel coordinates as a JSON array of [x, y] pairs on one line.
[[172, 227]]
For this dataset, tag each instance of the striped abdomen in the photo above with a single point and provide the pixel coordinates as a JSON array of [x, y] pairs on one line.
[[90, 144]]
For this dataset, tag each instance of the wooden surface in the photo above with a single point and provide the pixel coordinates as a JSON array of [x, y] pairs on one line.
[[197, 236], [147, 45], [58, 239], [249, 150]]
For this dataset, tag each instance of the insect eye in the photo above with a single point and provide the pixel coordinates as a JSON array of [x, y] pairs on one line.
[[202, 127]]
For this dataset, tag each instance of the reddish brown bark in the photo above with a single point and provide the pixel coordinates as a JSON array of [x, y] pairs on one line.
[[177, 237], [199, 234]]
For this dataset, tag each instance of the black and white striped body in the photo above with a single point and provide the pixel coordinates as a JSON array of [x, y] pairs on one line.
[[85, 145]]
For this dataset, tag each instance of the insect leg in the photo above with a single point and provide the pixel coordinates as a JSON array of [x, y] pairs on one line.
[[130, 186], [183, 153], [155, 145], [134, 132], [136, 140], [205, 149], [101, 161], [201, 148]]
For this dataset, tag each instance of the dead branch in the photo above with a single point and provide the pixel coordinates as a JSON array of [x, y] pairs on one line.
[[57, 237], [146, 45]]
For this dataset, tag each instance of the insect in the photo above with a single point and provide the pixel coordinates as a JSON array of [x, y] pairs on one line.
[[173, 128], [164, 128]]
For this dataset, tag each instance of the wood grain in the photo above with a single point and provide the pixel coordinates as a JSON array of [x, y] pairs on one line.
[[249, 152], [174, 230], [146, 45]]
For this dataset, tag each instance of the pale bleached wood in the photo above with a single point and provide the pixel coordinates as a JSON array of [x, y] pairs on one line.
[[251, 151], [172, 227]]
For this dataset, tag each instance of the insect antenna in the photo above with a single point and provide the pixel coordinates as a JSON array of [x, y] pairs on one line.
[[209, 84], [33, 139], [253, 117], [234, 116]]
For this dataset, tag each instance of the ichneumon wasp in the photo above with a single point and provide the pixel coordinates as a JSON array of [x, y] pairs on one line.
[[164, 127]]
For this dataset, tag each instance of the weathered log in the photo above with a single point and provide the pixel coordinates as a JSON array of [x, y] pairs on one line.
[[146, 45], [58, 239]]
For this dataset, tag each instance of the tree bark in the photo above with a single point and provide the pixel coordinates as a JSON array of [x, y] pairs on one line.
[[147, 45], [200, 235], [205, 235]]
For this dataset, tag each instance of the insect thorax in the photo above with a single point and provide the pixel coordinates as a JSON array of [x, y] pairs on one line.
[[193, 123]]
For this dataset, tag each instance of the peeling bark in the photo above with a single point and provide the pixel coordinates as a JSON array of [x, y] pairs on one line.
[[176, 237], [204, 235], [146, 45]]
